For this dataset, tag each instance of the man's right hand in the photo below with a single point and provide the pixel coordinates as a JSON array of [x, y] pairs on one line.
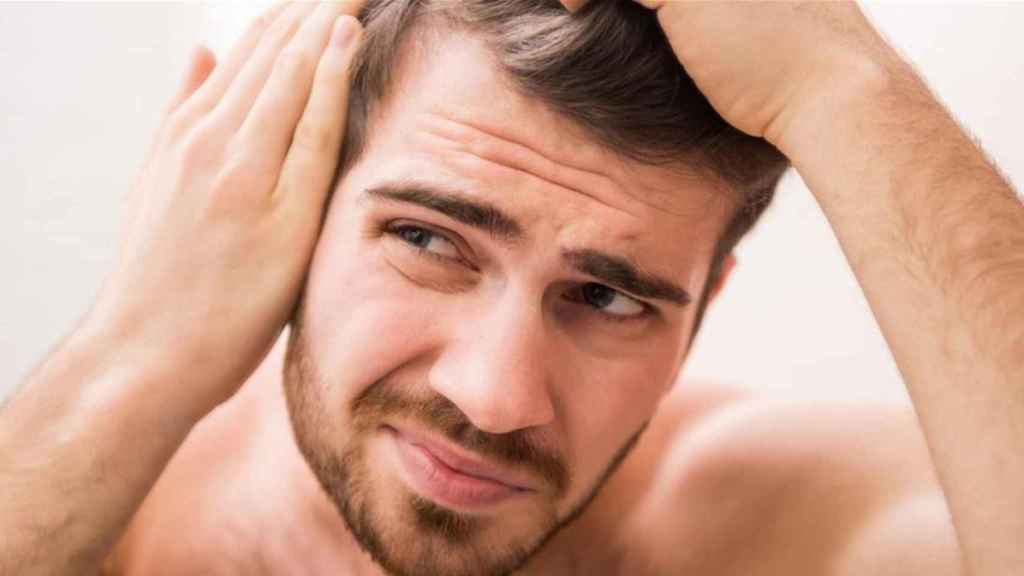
[[224, 218], [226, 210]]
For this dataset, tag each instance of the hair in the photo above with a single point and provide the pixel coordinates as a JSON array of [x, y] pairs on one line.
[[608, 68]]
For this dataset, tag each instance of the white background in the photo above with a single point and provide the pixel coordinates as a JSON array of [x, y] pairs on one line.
[[82, 85]]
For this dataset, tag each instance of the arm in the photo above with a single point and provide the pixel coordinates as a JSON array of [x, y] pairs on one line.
[[935, 237], [236, 178], [933, 232]]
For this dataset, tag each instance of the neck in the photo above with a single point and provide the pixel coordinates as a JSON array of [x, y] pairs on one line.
[[307, 529]]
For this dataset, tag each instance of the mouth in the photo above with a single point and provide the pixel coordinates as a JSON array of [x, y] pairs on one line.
[[449, 476]]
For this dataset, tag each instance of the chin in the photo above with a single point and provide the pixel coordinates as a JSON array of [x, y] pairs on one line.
[[409, 534]]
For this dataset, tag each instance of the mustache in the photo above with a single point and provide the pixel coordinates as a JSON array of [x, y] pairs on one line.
[[515, 449]]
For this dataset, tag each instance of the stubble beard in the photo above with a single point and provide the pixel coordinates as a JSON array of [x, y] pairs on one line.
[[439, 540]]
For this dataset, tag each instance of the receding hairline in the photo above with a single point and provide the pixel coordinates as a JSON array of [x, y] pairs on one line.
[[418, 39], [431, 32]]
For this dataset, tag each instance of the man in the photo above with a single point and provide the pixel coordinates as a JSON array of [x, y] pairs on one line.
[[499, 301]]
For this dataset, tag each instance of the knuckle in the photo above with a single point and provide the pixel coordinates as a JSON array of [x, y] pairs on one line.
[[338, 65], [194, 154], [234, 175], [247, 172], [235, 183], [198, 147], [315, 136], [176, 125], [262, 22], [294, 176], [293, 63]]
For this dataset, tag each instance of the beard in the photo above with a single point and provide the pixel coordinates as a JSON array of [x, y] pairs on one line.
[[408, 535]]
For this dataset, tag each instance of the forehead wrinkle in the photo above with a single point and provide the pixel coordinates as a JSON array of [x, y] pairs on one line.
[[472, 127], [460, 163], [489, 145]]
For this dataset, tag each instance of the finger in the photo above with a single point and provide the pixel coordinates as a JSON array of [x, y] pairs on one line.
[[573, 5], [238, 100], [270, 124], [212, 90], [201, 62], [312, 157]]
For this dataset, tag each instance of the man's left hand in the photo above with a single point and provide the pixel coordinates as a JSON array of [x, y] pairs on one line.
[[767, 67]]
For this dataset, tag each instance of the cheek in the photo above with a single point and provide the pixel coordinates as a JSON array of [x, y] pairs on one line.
[[608, 403], [361, 320]]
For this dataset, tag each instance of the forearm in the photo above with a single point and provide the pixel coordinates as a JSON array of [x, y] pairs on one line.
[[217, 249], [81, 444], [935, 237]]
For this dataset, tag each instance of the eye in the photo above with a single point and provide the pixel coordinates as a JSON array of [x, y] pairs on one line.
[[426, 240], [610, 302]]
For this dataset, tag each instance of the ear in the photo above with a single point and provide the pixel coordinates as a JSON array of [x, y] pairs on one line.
[[728, 263]]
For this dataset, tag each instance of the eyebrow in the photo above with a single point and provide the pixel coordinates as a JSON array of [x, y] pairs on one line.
[[619, 272], [475, 213], [615, 271]]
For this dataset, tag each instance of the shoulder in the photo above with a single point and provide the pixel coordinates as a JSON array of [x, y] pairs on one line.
[[197, 516], [799, 483]]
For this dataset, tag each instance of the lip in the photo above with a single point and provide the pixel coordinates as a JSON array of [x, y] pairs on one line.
[[446, 474]]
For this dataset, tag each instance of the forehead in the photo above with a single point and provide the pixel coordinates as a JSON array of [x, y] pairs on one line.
[[452, 114]]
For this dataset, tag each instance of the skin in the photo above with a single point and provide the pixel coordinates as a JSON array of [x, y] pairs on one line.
[[931, 229], [499, 329], [787, 487], [222, 174]]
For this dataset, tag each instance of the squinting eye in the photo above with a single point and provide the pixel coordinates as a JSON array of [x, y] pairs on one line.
[[426, 240], [610, 301]]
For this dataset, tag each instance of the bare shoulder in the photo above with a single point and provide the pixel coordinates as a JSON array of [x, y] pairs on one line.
[[195, 518], [788, 482]]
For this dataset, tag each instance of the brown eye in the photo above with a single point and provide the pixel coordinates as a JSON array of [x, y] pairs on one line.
[[598, 295], [416, 236], [610, 301]]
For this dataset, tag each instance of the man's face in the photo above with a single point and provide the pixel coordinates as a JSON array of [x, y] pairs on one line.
[[494, 310]]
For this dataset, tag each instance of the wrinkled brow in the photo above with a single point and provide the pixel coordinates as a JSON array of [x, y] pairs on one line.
[[457, 206], [616, 271]]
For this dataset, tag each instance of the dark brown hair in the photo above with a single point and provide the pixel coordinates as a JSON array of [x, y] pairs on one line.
[[608, 68]]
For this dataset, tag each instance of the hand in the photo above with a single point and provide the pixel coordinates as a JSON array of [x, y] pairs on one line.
[[769, 68], [226, 210]]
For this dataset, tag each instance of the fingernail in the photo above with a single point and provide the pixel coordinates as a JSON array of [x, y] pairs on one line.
[[344, 30]]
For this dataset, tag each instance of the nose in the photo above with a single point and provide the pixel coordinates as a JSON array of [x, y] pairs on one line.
[[494, 370]]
